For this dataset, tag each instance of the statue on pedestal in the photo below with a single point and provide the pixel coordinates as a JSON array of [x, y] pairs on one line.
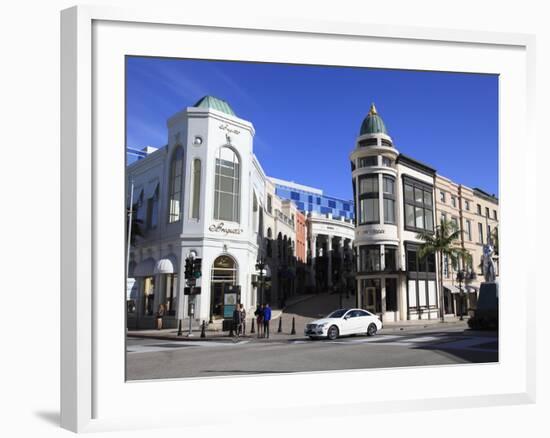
[[488, 264]]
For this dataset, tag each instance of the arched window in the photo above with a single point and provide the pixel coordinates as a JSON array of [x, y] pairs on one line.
[[176, 179], [196, 188], [227, 188]]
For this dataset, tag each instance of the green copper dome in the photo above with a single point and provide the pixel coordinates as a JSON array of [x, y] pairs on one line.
[[216, 104], [373, 123]]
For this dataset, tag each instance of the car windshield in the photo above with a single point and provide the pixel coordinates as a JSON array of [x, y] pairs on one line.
[[337, 313]]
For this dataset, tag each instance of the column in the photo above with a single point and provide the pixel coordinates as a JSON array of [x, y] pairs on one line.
[[383, 297], [329, 264], [313, 246]]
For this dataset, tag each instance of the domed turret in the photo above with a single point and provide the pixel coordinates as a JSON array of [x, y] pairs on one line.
[[216, 104], [373, 123]]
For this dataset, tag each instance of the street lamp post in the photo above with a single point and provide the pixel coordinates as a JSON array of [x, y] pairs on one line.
[[260, 266]]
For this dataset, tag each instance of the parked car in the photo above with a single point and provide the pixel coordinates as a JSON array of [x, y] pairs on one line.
[[344, 322]]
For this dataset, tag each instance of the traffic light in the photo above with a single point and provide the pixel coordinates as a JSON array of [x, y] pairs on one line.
[[197, 268], [188, 268]]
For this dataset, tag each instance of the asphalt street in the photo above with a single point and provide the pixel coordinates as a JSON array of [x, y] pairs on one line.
[[165, 359]]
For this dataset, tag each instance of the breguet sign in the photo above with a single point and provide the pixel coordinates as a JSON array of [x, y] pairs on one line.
[[222, 228]]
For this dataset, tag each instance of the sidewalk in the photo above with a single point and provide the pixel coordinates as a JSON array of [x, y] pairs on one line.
[[286, 326]]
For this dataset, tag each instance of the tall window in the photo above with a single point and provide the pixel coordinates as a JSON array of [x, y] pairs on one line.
[[454, 222], [453, 201], [196, 189], [418, 206], [442, 196], [486, 211], [479, 209], [467, 204], [370, 258], [139, 208], [389, 199], [480, 231], [152, 209], [176, 179], [226, 194], [468, 230], [390, 258], [171, 293], [269, 207], [369, 210], [368, 161], [494, 214]]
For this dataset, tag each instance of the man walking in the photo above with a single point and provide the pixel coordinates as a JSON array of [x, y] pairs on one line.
[[237, 321], [267, 318], [259, 313]]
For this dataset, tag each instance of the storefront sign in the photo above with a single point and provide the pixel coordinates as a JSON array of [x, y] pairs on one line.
[[375, 231], [225, 127], [221, 228]]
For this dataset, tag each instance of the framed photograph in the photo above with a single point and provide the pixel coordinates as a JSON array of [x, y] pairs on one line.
[[291, 204]]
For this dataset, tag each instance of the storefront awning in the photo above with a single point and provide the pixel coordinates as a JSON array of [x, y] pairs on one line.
[[166, 265], [145, 268]]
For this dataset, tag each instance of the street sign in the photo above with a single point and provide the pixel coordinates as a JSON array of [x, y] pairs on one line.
[[191, 291]]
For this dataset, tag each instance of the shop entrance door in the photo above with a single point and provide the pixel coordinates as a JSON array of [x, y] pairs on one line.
[[224, 276], [369, 299]]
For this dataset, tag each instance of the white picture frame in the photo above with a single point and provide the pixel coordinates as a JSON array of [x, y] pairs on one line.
[[93, 396]]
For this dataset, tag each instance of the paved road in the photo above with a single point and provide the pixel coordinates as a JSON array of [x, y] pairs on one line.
[[155, 359]]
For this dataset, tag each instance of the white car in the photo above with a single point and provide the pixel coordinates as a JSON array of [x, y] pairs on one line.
[[344, 322]]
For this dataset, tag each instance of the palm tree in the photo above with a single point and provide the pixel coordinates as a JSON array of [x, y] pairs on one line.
[[444, 242]]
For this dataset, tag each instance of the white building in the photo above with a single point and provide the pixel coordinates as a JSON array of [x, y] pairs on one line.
[[394, 199], [202, 194]]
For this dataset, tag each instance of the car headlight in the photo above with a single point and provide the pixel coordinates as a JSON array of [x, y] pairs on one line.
[[322, 325]]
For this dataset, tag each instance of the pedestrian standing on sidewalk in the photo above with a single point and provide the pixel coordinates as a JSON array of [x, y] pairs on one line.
[[243, 320], [160, 315], [237, 320], [267, 318], [259, 314]]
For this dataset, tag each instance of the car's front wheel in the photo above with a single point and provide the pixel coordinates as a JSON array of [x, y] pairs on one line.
[[332, 333], [371, 330]]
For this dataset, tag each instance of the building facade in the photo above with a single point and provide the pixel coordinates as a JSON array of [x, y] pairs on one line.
[[205, 195], [394, 198], [202, 195], [313, 200], [397, 198]]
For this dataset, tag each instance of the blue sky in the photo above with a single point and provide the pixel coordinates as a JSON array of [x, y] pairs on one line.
[[308, 117]]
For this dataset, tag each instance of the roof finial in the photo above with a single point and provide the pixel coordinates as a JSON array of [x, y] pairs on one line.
[[372, 110]]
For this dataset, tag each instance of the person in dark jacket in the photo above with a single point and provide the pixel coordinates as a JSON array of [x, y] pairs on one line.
[[259, 314], [267, 318], [237, 319]]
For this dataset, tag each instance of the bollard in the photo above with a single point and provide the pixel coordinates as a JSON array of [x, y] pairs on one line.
[[252, 328], [203, 329], [231, 334], [179, 328], [293, 332], [280, 329]]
